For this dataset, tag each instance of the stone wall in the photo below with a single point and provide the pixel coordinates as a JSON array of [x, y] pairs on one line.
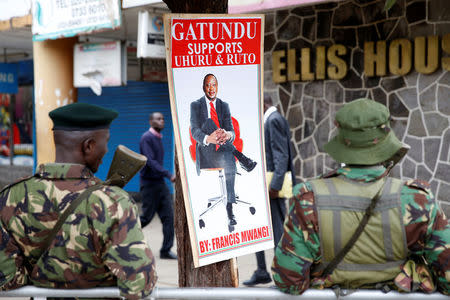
[[419, 104]]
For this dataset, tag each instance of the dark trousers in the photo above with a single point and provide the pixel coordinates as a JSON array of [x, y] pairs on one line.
[[278, 212], [221, 158], [156, 199]]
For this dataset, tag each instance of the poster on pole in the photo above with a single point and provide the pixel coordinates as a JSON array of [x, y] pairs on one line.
[[215, 75]]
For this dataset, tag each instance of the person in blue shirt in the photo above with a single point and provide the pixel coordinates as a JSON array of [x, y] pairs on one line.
[[156, 197]]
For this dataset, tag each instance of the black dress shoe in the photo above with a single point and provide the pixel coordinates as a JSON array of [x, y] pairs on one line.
[[168, 255], [258, 277], [246, 163], [231, 219]]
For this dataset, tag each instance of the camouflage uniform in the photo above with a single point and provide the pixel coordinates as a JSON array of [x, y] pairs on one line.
[[427, 234], [100, 244]]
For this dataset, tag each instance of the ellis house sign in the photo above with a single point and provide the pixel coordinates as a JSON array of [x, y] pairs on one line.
[[381, 58]]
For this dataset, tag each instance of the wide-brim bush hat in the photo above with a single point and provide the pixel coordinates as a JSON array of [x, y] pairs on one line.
[[364, 134]]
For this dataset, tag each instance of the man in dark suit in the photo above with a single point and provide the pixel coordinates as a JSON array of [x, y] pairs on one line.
[[212, 128], [279, 161]]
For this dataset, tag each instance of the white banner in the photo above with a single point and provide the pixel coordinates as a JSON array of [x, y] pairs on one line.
[[150, 39], [65, 18]]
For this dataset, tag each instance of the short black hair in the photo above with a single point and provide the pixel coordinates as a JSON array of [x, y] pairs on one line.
[[206, 76], [268, 99], [152, 115]]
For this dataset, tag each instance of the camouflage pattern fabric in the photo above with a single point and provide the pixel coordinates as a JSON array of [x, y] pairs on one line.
[[100, 244], [427, 234]]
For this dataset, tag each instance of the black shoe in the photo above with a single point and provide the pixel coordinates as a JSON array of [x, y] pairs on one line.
[[258, 277], [249, 165], [246, 163], [231, 219], [167, 255]]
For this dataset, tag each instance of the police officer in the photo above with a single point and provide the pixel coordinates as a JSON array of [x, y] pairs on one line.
[[100, 244], [405, 243]]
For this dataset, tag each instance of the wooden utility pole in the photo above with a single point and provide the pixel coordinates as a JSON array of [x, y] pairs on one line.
[[223, 273]]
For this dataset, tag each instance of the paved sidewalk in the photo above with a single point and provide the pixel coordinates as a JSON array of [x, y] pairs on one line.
[[167, 269]]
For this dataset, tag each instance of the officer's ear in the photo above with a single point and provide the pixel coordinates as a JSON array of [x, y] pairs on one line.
[[88, 146]]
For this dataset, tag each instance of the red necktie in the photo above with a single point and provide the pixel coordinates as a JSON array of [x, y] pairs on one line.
[[214, 117], [213, 113]]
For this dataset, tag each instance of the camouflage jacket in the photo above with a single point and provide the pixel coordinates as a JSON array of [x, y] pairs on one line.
[[100, 244], [427, 233]]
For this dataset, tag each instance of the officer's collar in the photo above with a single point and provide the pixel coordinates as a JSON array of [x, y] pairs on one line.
[[63, 171], [362, 173]]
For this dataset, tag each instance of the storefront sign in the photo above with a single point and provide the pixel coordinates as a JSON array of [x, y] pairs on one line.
[[8, 78], [99, 64], [65, 18], [209, 56], [381, 58], [150, 41]]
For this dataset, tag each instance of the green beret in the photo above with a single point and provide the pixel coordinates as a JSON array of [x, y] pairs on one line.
[[82, 116]]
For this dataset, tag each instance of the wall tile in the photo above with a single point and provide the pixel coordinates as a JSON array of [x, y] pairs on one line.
[[333, 92], [348, 14], [314, 89], [416, 125], [396, 107], [415, 153], [443, 172], [290, 29], [432, 146], [393, 83], [427, 99], [445, 151], [438, 10], [416, 11], [374, 12], [436, 124], [307, 149], [322, 110], [444, 100], [408, 168], [321, 135], [409, 97]]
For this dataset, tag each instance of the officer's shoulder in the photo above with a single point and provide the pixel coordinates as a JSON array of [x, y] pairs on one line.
[[20, 180], [302, 188], [418, 185], [114, 193]]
